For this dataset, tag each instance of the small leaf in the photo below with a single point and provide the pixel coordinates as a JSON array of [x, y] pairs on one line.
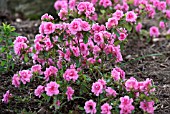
[[3, 63], [85, 39], [128, 26], [116, 32]]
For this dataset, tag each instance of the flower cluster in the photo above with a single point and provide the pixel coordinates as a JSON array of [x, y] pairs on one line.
[[80, 51]]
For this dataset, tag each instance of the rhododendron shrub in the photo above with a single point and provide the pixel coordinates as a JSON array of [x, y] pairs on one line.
[[76, 60]]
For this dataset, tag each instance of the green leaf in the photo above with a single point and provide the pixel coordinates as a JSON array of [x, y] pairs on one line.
[[3, 63], [26, 58], [85, 39], [128, 26], [3, 49], [116, 32], [77, 62], [46, 97]]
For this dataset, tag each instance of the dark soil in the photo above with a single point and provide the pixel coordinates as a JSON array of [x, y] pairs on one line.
[[156, 66]]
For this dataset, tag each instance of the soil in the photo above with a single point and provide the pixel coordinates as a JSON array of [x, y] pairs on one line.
[[142, 60]]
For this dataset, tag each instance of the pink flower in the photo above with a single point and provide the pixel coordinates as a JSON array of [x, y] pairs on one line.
[[25, 76], [85, 26], [138, 27], [110, 92], [131, 16], [97, 88], [115, 74], [90, 107], [126, 105], [48, 44], [98, 38], [105, 108], [6, 97], [74, 26], [47, 17], [36, 69], [112, 22], [39, 91], [162, 5], [18, 47], [147, 106], [154, 31], [52, 89], [103, 82], [49, 27], [72, 4], [16, 80], [122, 36], [63, 14], [20, 39], [51, 71], [70, 74], [69, 93], [161, 24], [167, 14], [131, 84], [81, 7], [118, 14], [75, 51], [60, 4], [105, 3]]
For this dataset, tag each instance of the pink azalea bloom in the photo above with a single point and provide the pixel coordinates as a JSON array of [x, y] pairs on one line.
[[90, 107], [138, 27], [131, 16], [105, 108], [49, 27], [84, 49], [105, 3], [70, 74], [118, 54], [112, 22], [6, 97], [122, 73], [162, 5], [97, 88], [67, 55], [38, 47], [131, 84], [25, 76], [63, 14], [122, 36], [16, 80], [69, 93], [147, 106], [60, 4], [168, 14], [52, 89], [18, 47], [125, 7], [115, 74], [110, 92], [103, 82], [51, 71], [98, 38], [118, 14], [20, 39], [72, 4], [74, 26], [47, 17], [154, 31], [85, 26], [81, 7], [161, 24], [48, 44], [168, 2], [37, 69], [75, 51], [39, 91], [126, 105]]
